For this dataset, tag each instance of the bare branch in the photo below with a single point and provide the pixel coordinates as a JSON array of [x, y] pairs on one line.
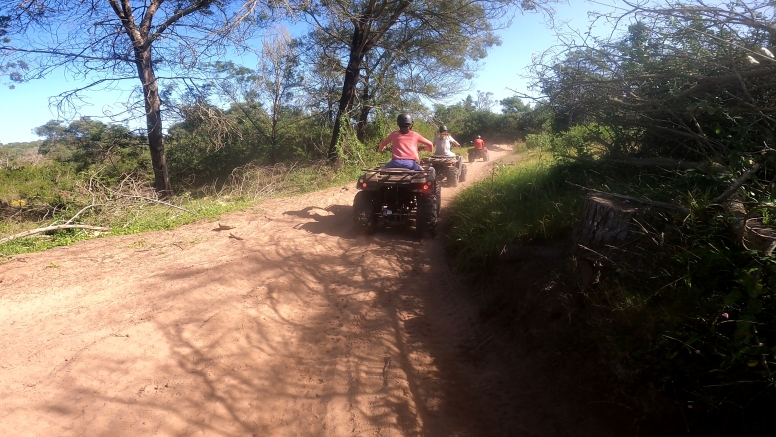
[[52, 228]]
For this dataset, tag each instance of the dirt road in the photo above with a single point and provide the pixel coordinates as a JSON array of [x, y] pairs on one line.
[[288, 324]]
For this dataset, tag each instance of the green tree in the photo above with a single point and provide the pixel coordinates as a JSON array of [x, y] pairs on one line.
[[87, 143], [447, 33], [513, 105], [124, 41]]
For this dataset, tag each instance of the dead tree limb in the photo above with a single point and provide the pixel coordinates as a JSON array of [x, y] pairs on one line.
[[52, 228], [642, 162], [664, 205], [737, 183], [81, 211]]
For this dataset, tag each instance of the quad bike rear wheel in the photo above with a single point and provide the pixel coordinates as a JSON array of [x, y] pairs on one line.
[[364, 211], [471, 156], [464, 170], [438, 194], [485, 156], [452, 176], [426, 216]]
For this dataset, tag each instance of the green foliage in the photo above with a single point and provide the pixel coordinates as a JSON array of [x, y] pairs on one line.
[[684, 307], [426, 129], [715, 317], [39, 184], [693, 309], [18, 155], [95, 147], [578, 141], [541, 141], [675, 83], [516, 121], [514, 105], [191, 153]]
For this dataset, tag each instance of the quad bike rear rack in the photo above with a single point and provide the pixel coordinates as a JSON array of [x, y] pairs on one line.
[[392, 176], [438, 158]]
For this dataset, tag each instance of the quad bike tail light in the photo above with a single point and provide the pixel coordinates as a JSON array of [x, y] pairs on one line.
[[425, 186], [364, 184]]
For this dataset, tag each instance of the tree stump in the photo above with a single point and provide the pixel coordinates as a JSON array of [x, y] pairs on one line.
[[759, 237], [604, 222]]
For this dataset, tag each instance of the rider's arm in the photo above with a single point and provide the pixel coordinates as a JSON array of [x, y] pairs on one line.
[[429, 144], [453, 141], [385, 142]]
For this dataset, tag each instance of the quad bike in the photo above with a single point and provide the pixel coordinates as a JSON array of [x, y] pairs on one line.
[[475, 153], [450, 168], [397, 197]]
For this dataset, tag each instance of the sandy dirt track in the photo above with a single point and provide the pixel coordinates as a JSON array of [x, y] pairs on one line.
[[289, 324]]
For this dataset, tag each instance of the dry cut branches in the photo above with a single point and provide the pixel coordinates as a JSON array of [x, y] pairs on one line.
[[52, 228]]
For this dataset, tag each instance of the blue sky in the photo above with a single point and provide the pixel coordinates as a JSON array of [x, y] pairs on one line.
[[27, 107]]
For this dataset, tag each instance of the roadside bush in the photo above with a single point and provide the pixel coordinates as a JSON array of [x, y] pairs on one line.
[[581, 141], [43, 184], [541, 141], [702, 318], [685, 310]]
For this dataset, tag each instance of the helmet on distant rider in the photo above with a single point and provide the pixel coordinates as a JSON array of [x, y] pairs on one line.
[[404, 120], [442, 128], [479, 137]]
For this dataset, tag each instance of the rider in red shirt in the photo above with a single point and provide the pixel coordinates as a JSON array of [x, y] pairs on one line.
[[478, 143], [404, 145]]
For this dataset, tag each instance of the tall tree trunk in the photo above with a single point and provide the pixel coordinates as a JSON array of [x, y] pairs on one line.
[[153, 104], [274, 137], [365, 108], [364, 39], [357, 53]]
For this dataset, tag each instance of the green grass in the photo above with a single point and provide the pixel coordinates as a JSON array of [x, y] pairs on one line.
[[527, 201]]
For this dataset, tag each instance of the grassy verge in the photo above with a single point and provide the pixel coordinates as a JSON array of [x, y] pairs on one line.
[[520, 202], [37, 197]]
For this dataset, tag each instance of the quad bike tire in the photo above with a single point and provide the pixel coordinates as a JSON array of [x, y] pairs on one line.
[[364, 212], [438, 194], [471, 157], [485, 156], [453, 176], [426, 215], [464, 170]]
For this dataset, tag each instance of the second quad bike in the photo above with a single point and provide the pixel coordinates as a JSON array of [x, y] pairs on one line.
[[475, 153], [397, 197], [450, 168]]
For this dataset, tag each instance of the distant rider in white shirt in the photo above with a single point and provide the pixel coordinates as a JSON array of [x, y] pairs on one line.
[[443, 142]]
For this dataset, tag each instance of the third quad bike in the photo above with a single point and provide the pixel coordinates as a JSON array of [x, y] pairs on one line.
[[397, 197], [450, 168], [475, 153]]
